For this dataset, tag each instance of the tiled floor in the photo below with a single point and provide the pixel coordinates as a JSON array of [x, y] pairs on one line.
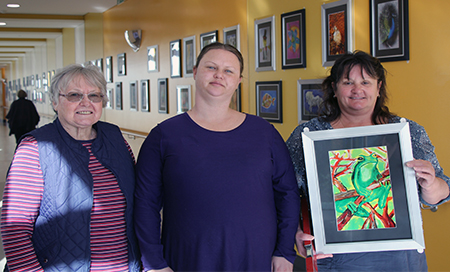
[[7, 147]]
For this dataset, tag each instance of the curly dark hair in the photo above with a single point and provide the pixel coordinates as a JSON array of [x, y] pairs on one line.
[[330, 110]]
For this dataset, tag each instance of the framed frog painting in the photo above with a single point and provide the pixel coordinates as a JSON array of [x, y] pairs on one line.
[[362, 196]]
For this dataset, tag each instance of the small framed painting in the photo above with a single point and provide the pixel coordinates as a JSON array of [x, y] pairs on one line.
[[389, 30], [99, 64], [309, 99], [268, 101], [265, 44], [175, 58], [183, 98], [122, 64], [337, 37], [152, 59], [231, 36], [293, 39], [109, 95], [208, 37], [133, 95], [189, 56], [365, 198], [145, 95], [163, 104], [118, 95]]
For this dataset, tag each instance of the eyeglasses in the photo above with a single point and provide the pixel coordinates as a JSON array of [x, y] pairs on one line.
[[77, 97]]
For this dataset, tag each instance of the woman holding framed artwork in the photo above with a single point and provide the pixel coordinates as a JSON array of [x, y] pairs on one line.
[[355, 96], [223, 179]]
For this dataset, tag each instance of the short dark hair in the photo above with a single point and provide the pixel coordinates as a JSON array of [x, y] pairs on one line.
[[22, 94], [330, 110], [226, 47]]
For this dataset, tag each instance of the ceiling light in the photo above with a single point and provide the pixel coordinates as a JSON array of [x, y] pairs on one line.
[[2, 23], [13, 5]]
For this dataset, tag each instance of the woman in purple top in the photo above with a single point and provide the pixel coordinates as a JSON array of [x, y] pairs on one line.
[[223, 179]]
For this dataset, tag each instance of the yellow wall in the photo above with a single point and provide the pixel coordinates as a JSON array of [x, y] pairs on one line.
[[93, 34], [419, 88], [68, 46]]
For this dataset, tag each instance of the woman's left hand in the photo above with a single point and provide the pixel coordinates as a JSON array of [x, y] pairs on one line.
[[280, 264], [434, 189]]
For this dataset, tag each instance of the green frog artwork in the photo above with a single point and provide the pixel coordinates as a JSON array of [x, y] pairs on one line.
[[362, 188]]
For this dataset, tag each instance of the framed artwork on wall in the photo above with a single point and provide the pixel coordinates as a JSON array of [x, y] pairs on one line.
[[163, 104], [309, 98], [152, 59], [118, 95], [268, 101], [389, 30], [293, 39], [134, 95], [122, 64], [110, 96], [109, 69], [99, 64], [351, 213], [208, 37], [189, 56], [265, 44], [183, 98], [337, 37], [145, 95], [231, 35], [175, 58], [235, 102]]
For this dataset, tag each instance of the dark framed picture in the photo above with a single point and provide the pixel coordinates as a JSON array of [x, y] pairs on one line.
[[145, 95], [189, 56], [309, 98], [268, 101], [99, 64], [389, 29], [365, 198], [208, 37], [337, 37], [163, 104], [231, 35], [152, 59], [110, 96], [109, 69], [293, 39], [134, 95], [265, 44], [118, 95], [235, 102], [122, 64], [183, 98], [175, 58]]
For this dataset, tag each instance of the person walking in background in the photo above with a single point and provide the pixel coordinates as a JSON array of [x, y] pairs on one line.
[[68, 200], [22, 116], [224, 181]]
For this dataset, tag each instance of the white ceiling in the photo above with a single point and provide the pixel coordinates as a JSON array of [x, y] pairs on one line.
[[10, 38]]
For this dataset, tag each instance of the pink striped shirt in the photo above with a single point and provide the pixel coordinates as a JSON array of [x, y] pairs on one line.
[[21, 202]]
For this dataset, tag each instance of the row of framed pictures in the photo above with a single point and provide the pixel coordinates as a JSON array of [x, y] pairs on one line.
[[115, 96], [389, 29], [32, 81], [179, 63], [269, 99]]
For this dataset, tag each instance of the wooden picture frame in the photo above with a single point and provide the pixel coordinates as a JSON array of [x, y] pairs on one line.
[[265, 44], [382, 220], [337, 31], [389, 30], [293, 45], [269, 100]]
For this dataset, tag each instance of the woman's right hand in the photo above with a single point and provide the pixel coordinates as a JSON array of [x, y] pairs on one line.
[[300, 238]]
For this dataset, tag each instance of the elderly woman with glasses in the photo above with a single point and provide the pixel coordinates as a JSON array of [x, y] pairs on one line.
[[68, 200]]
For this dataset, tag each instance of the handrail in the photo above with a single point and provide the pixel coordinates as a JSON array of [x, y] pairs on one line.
[[132, 134]]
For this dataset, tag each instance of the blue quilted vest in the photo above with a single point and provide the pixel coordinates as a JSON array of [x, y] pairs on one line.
[[61, 236]]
